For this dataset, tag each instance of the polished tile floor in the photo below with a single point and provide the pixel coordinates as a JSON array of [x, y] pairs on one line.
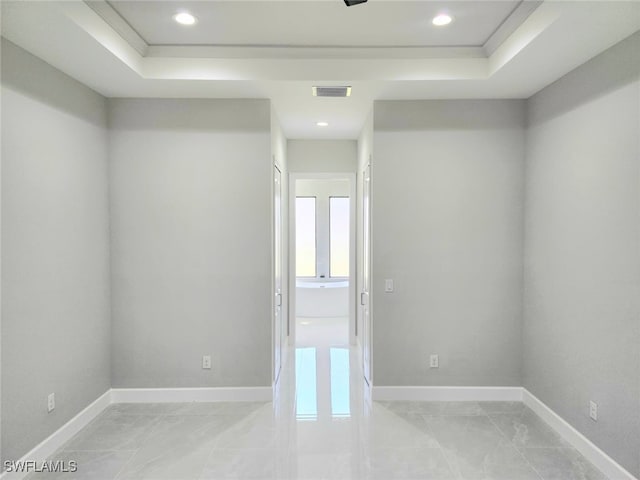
[[322, 426]]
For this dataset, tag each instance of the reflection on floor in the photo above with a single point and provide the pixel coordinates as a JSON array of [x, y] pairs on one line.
[[322, 332], [322, 426]]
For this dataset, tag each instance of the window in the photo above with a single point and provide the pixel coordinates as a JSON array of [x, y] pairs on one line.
[[339, 236], [305, 236]]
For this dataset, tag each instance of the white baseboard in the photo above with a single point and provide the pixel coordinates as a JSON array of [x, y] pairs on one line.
[[601, 460], [213, 394], [57, 439], [595, 455], [448, 394]]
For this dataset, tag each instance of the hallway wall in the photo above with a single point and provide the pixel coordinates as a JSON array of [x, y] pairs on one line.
[[582, 255], [447, 227], [55, 249], [319, 156], [191, 249]]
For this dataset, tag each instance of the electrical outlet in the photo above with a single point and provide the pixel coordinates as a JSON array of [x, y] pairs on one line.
[[434, 361], [51, 402], [593, 411], [206, 362]]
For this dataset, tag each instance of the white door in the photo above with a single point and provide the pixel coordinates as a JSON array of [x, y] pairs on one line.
[[366, 274], [277, 284]]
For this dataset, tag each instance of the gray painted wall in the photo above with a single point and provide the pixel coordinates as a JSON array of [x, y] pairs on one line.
[[447, 205], [318, 156], [582, 301], [191, 242], [55, 264]]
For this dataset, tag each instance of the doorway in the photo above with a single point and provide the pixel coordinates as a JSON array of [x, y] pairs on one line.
[[322, 252]]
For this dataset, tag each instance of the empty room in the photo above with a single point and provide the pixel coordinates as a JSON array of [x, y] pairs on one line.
[[320, 239]]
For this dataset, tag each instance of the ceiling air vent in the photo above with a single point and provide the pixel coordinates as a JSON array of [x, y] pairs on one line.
[[331, 91]]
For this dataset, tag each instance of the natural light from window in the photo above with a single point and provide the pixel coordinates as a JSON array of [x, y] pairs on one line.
[[306, 383], [339, 236], [305, 237]]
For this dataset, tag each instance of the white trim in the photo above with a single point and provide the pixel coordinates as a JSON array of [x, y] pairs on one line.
[[448, 394], [57, 439], [212, 394], [600, 459]]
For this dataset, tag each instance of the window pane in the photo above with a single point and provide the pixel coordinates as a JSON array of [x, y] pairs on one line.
[[305, 237], [339, 236]]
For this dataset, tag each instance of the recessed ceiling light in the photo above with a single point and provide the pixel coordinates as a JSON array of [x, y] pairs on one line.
[[184, 18], [322, 124], [442, 19]]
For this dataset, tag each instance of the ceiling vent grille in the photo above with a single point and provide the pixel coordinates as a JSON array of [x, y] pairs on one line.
[[331, 91]]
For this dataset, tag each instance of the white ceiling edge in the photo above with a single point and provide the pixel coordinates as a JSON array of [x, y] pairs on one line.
[[305, 69], [316, 53], [510, 25], [111, 16], [119, 24], [96, 26]]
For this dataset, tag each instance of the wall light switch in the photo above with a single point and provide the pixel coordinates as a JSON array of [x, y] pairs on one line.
[[388, 285], [206, 362], [51, 402], [593, 411]]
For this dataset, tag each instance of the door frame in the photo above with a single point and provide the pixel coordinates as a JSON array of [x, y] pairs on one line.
[[277, 305], [366, 277], [353, 253]]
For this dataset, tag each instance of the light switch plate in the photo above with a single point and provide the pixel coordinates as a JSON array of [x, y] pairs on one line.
[[388, 285]]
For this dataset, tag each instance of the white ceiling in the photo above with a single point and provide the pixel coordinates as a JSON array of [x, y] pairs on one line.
[[314, 23], [385, 49]]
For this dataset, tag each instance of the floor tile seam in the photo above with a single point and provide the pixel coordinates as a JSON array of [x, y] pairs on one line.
[[425, 417], [142, 441], [456, 475], [438, 415], [206, 461], [63, 447], [214, 447], [519, 452], [155, 425], [199, 415], [97, 450], [549, 447], [125, 465], [242, 449]]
